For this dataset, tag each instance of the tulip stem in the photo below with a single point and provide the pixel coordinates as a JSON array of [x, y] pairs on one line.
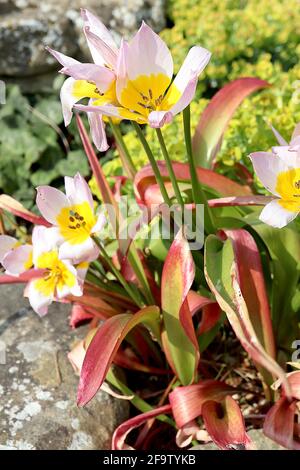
[[130, 291], [199, 195], [153, 162], [123, 150], [169, 167]]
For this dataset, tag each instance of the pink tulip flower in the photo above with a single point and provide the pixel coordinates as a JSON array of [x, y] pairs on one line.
[[73, 219], [14, 257], [279, 172]]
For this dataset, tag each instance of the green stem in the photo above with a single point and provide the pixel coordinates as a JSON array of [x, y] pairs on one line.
[[131, 292], [123, 147], [198, 193], [153, 163], [169, 167], [138, 268]]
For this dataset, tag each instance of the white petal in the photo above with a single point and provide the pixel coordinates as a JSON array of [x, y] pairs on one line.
[[78, 191], [159, 118], [186, 97], [37, 300], [267, 166], [99, 52], [278, 136], [86, 251], [66, 290], [148, 54], [97, 127], [50, 202], [275, 215], [100, 224], [63, 59], [102, 77], [194, 63], [6, 244], [68, 99], [15, 261], [44, 240]]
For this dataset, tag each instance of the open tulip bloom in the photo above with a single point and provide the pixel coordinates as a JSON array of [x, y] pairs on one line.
[[133, 83], [73, 218], [279, 172], [95, 81], [14, 257], [56, 277]]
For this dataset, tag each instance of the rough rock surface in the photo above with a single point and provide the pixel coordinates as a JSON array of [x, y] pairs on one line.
[[257, 436], [38, 386], [26, 26]]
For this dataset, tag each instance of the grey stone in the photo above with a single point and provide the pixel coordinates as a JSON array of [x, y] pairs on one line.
[[260, 441], [38, 385], [26, 26]]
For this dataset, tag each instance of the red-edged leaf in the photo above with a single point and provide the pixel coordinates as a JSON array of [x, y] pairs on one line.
[[215, 118], [177, 278], [252, 284], [120, 434], [222, 276], [22, 278], [280, 424], [225, 424], [211, 311], [102, 183], [9, 204], [105, 345], [211, 314], [79, 316], [240, 201], [187, 401], [145, 182]]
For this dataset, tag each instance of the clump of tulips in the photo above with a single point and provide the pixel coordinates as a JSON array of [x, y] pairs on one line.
[[164, 304]]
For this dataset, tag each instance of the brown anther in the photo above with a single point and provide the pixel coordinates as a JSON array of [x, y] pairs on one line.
[[297, 184], [71, 219], [150, 93], [146, 106], [78, 225]]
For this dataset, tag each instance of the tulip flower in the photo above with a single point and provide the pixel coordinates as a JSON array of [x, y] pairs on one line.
[[144, 87], [95, 81], [280, 174], [14, 257], [73, 218], [57, 277]]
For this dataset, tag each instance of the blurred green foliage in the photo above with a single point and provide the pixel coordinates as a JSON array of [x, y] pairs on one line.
[[33, 149]]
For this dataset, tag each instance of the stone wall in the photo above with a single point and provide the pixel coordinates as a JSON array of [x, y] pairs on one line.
[[26, 26]]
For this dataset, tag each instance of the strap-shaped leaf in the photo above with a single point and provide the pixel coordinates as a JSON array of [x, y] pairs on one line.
[[215, 118], [177, 278], [104, 347]]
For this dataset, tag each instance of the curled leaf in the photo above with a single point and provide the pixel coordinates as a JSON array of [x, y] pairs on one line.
[[187, 401], [225, 424]]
